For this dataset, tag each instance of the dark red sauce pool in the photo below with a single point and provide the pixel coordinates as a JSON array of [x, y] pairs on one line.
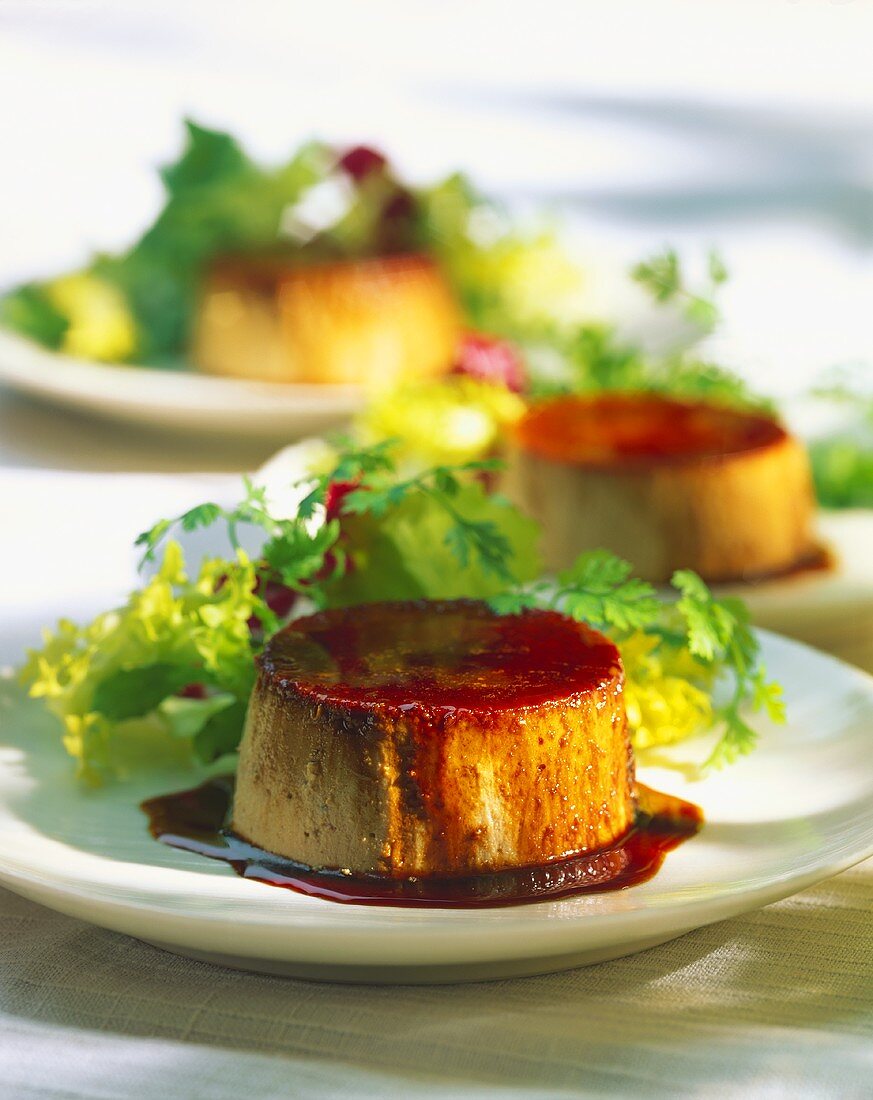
[[194, 821]]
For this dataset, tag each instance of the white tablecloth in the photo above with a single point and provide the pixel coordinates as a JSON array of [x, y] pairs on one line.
[[775, 1004]]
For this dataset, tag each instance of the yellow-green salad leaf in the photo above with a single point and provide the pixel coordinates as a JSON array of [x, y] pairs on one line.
[[175, 664]]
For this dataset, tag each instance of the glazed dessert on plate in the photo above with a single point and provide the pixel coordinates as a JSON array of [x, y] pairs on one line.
[[445, 729], [381, 320], [435, 739], [667, 484], [433, 753]]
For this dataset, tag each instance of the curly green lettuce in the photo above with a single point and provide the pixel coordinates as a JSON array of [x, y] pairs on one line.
[[171, 670], [450, 420], [174, 663], [679, 656], [510, 278]]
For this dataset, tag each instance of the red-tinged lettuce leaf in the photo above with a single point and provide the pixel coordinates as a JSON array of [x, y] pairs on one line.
[[412, 551]]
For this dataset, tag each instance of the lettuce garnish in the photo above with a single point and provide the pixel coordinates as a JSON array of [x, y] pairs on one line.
[[674, 652], [842, 462], [220, 201], [842, 469], [451, 420], [174, 663], [171, 670]]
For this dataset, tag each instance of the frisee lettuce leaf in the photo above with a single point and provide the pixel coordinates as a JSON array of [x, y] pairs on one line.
[[451, 420], [118, 676], [364, 533], [675, 654]]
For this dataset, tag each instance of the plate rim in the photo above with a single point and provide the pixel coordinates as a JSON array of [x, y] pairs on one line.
[[138, 391]]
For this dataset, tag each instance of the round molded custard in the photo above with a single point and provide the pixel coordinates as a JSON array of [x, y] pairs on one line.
[[666, 484], [435, 738], [386, 318]]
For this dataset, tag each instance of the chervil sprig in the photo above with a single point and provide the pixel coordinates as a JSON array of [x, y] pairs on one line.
[[294, 553], [597, 360], [687, 650], [468, 539], [719, 634], [663, 276], [354, 465], [306, 553]]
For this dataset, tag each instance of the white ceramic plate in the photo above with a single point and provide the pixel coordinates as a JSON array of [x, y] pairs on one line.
[[181, 400], [798, 810]]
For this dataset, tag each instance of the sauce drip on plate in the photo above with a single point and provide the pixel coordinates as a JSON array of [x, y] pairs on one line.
[[194, 820]]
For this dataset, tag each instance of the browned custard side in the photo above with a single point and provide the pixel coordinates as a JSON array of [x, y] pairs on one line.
[[280, 319], [666, 484], [435, 738]]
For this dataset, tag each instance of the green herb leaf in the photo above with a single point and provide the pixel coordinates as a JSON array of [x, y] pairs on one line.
[[185, 718], [842, 469], [663, 277], [675, 655], [738, 739], [30, 311], [718, 272], [222, 733], [661, 274], [420, 548], [132, 692]]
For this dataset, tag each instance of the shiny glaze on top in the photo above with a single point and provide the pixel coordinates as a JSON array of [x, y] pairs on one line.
[[626, 430], [442, 656]]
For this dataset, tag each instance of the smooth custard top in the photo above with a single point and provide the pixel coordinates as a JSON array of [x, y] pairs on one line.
[[445, 655]]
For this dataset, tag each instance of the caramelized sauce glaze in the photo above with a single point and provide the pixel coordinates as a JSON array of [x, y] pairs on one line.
[[441, 656], [194, 820], [621, 430]]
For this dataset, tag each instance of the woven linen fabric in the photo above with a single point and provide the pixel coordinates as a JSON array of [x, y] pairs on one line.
[[778, 1003]]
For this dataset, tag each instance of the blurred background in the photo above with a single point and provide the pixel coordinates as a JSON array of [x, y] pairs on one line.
[[743, 125]]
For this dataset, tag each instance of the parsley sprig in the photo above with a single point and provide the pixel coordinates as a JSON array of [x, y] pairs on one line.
[[293, 553], [714, 635], [596, 359], [306, 553], [663, 276]]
